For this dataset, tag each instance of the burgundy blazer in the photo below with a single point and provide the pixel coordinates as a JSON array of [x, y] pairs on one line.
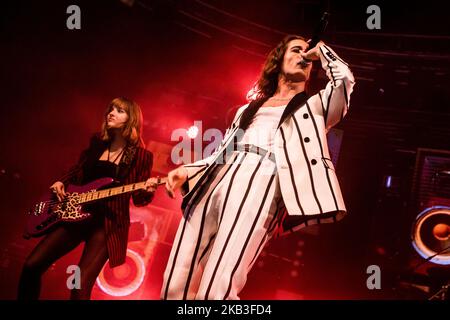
[[135, 166]]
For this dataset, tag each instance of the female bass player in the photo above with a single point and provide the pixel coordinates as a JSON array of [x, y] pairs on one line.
[[117, 152]]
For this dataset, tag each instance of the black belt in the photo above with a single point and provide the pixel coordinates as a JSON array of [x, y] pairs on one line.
[[254, 149]]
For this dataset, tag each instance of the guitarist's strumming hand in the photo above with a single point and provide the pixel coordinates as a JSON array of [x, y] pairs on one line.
[[175, 180], [58, 189]]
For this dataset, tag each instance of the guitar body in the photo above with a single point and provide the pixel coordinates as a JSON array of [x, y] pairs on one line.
[[49, 211]]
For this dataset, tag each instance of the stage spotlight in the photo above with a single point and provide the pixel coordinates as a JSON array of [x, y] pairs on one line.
[[192, 132], [125, 279]]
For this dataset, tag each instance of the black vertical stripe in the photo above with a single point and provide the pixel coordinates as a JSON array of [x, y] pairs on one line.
[[259, 248], [200, 233], [331, 91], [169, 279], [232, 229], [328, 106], [201, 187], [273, 222], [207, 247], [322, 154], [291, 171], [223, 176], [296, 102], [321, 103], [194, 194], [236, 266], [331, 70], [228, 191], [308, 165], [199, 237], [232, 127]]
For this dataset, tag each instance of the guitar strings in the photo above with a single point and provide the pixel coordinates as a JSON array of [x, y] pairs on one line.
[[52, 203]]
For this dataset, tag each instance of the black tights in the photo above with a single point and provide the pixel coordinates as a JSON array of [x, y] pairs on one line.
[[58, 243]]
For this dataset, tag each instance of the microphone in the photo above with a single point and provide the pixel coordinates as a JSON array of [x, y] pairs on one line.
[[317, 34]]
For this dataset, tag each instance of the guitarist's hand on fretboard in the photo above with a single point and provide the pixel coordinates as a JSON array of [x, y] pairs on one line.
[[152, 184]]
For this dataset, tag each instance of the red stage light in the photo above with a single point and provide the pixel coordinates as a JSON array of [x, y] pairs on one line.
[[125, 279]]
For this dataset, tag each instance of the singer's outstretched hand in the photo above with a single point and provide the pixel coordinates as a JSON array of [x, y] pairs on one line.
[[175, 180], [313, 53]]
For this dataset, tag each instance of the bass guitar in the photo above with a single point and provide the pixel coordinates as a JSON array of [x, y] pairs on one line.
[[50, 211]]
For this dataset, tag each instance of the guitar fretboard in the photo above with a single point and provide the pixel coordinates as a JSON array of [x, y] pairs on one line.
[[101, 194]]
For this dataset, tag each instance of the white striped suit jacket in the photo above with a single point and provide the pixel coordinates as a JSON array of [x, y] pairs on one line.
[[308, 182]]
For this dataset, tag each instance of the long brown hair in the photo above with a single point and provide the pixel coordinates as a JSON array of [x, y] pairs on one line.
[[268, 80], [132, 130]]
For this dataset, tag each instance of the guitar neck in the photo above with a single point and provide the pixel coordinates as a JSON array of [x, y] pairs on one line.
[[102, 194]]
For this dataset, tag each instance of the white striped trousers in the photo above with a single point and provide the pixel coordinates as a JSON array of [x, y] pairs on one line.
[[237, 213]]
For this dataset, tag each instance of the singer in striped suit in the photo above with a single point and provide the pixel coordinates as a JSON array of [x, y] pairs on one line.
[[272, 174], [117, 152]]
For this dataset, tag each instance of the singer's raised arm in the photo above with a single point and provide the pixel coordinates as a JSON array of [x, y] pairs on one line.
[[335, 98]]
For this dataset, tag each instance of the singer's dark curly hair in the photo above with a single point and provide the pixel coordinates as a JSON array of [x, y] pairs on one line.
[[268, 80]]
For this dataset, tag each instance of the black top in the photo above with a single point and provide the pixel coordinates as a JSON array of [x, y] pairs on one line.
[[100, 169]]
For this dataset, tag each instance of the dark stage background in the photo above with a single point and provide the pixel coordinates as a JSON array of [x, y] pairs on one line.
[[196, 60]]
